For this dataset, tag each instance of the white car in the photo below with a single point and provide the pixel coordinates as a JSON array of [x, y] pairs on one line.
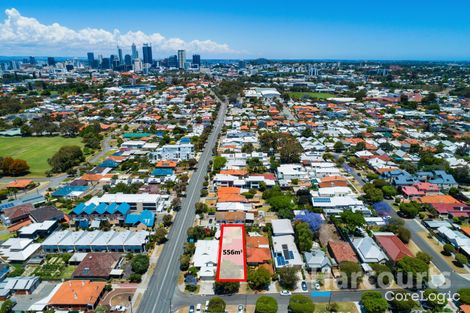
[[317, 286], [241, 309], [199, 308], [206, 307], [120, 308], [285, 293]]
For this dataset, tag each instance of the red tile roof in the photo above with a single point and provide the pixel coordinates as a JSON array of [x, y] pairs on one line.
[[393, 247], [342, 251]]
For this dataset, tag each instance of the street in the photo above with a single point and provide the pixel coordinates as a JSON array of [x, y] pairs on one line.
[[162, 286]]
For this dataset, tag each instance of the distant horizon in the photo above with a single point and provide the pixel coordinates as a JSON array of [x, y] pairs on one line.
[[416, 31], [84, 58]]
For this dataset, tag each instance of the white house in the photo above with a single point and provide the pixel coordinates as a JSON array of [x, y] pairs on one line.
[[205, 258]]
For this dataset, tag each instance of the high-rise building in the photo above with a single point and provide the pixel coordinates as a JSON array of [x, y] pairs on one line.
[[91, 59], [121, 60], [105, 63], [51, 61], [128, 60], [181, 58], [137, 65], [147, 53], [135, 53], [196, 60], [173, 61], [32, 60]]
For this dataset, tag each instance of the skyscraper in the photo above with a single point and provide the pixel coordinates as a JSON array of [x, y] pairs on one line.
[[196, 60], [51, 61], [135, 54], [128, 60], [181, 58], [173, 61], [147, 53], [121, 60], [91, 59]]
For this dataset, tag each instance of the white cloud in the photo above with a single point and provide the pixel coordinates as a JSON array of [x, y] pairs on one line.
[[26, 35]]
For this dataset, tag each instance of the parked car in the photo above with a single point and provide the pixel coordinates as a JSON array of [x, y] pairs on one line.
[[206, 307], [241, 308], [285, 293], [199, 308], [120, 308], [304, 285], [317, 286], [191, 308]]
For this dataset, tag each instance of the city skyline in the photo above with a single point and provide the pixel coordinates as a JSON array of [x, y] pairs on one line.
[[413, 31]]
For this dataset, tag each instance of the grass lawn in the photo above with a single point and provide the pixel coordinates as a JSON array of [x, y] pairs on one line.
[[35, 150], [316, 95], [344, 307]]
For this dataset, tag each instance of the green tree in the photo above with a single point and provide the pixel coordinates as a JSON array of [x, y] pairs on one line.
[[303, 236], [7, 306], [461, 259], [389, 191], [140, 263], [448, 249], [259, 279], [301, 304], [405, 304], [218, 163], [410, 209], [404, 234], [221, 288], [436, 302], [66, 158], [266, 304], [184, 262], [288, 277], [352, 220], [339, 146], [464, 295], [216, 305], [351, 274], [374, 302], [413, 269]]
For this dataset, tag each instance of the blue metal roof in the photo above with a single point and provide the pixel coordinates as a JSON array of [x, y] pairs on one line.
[[66, 190], [162, 172], [146, 217]]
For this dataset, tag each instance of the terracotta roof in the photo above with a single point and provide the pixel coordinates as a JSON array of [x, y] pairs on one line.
[[19, 183], [234, 172], [257, 249], [19, 211], [95, 177], [230, 216], [230, 194], [393, 247], [77, 292], [342, 251], [438, 199], [166, 163], [17, 226]]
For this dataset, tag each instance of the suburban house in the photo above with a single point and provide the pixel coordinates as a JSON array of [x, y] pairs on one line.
[[393, 247], [318, 261], [205, 258]]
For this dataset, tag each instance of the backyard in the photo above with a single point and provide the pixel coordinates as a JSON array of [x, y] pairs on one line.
[[35, 150]]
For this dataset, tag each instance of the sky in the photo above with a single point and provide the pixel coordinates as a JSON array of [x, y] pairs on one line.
[[334, 29]]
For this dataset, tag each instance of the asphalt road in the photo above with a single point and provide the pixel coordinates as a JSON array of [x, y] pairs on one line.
[[163, 283]]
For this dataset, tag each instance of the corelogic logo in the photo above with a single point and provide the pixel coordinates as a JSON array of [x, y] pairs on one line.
[[440, 297]]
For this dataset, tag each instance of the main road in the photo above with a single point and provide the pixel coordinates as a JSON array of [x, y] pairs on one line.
[[161, 288]]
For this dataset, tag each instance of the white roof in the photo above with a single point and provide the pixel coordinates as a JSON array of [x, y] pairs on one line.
[[206, 253], [282, 226]]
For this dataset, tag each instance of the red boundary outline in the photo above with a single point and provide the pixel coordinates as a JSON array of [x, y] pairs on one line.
[[217, 279]]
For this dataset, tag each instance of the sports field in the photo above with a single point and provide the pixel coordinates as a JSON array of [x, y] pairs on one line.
[[315, 95], [35, 150]]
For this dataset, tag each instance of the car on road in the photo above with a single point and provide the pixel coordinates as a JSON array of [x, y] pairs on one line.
[[304, 285], [285, 293], [191, 308], [241, 308]]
